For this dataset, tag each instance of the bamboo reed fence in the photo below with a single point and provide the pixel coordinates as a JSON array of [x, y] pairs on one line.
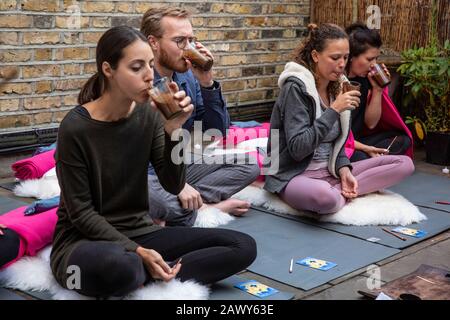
[[404, 23]]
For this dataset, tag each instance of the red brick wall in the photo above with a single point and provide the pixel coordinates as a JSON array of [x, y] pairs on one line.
[[55, 52]]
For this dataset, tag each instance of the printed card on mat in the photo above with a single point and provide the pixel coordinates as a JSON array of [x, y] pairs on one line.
[[256, 288], [317, 263], [410, 232]]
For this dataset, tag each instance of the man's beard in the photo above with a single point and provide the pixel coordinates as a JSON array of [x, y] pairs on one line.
[[168, 63]]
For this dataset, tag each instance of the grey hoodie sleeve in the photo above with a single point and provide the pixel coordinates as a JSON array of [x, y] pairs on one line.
[[342, 161], [303, 132]]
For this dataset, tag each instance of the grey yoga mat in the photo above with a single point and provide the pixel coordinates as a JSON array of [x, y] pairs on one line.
[[424, 190], [8, 185], [39, 295], [279, 240], [225, 290], [8, 204], [6, 294], [438, 221]]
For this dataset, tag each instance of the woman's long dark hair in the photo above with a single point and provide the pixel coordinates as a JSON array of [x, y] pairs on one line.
[[361, 39], [317, 40], [110, 49]]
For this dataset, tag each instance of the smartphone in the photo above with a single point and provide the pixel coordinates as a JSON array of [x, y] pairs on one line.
[[174, 263]]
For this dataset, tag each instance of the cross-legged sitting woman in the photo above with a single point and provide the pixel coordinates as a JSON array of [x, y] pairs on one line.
[[376, 123], [104, 148], [313, 120]]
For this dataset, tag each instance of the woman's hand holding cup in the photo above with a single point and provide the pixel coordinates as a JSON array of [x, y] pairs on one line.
[[174, 105], [345, 101]]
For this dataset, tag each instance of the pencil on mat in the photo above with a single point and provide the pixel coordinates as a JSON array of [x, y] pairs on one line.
[[394, 234]]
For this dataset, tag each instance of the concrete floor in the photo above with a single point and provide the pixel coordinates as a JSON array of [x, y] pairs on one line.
[[434, 251]]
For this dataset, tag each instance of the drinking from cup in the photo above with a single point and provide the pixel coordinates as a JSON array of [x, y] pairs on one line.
[[350, 86], [162, 96], [197, 58], [380, 76]]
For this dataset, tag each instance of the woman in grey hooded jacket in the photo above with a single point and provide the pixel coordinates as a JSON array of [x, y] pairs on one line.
[[312, 117]]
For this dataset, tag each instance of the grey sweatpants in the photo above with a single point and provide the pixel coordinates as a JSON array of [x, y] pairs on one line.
[[214, 182]]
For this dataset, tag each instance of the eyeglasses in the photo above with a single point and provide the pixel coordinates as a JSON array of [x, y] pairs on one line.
[[182, 42]]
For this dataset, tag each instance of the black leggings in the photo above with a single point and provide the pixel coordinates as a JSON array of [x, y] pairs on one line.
[[383, 140], [9, 246], [209, 255]]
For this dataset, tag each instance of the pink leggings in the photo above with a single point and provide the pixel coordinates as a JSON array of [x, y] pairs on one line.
[[320, 192]]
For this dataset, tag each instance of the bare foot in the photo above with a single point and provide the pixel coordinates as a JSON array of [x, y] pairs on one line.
[[159, 222], [235, 207]]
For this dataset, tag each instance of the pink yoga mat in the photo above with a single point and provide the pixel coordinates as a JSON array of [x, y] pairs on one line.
[[35, 231], [34, 167]]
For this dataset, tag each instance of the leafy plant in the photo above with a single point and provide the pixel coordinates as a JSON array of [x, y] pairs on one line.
[[418, 125], [427, 73]]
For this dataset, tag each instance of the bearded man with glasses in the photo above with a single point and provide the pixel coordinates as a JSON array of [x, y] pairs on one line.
[[208, 186]]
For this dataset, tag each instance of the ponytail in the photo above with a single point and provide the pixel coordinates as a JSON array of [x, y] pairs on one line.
[[302, 54], [109, 49], [92, 89], [312, 28]]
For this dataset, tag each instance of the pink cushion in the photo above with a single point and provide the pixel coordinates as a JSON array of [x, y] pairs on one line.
[[34, 167], [35, 231]]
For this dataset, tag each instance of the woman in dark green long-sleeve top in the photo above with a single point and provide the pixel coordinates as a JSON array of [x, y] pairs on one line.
[[105, 243]]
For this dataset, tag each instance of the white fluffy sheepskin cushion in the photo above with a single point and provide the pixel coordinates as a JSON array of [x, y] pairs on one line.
[[212, 218], [34, 274], [43, 188], [382, 208]]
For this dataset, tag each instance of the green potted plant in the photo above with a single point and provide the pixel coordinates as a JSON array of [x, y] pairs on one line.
[[427, 74]]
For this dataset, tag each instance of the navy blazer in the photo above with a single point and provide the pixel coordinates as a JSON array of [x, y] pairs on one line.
[[209, 105]]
